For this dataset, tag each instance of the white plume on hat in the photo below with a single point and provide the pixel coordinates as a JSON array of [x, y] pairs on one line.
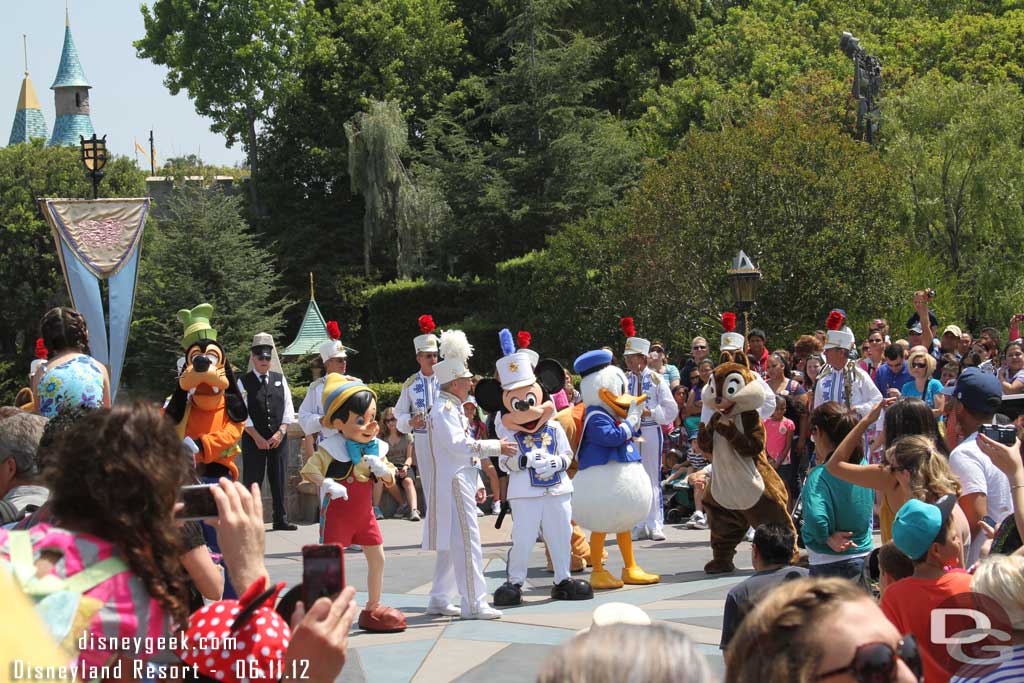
[[455, 346], [456, 351]]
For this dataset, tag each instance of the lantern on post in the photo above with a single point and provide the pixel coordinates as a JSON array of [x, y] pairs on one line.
[[94, 158], [744, 279]]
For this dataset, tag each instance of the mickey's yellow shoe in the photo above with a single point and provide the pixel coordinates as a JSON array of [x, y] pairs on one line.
[[603, 580], [638, 577]]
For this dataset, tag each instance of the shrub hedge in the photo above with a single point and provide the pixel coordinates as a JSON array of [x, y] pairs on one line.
[[387, 394], [390, 322]]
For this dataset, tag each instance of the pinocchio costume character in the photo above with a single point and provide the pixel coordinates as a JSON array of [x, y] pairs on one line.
[[345, 466], [206, 405]]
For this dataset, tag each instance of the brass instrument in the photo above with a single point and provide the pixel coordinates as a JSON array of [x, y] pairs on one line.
[[849, 372]]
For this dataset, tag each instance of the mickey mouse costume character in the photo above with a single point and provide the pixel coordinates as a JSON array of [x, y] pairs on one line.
[[611, 491], [344, 467], [206, 404], [538, 483]]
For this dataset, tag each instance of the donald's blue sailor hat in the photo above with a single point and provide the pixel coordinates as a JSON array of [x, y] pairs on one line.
[[592, 361]]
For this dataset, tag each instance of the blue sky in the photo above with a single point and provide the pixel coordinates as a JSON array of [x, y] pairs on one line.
[[128, 95]]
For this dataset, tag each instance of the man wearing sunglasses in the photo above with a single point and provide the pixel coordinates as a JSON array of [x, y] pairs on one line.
[[924, 533], [698, 352]]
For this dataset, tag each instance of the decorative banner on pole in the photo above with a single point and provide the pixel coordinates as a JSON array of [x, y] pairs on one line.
[[98, 239]]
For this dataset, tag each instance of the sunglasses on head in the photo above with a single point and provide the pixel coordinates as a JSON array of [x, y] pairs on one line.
[[876, 662]]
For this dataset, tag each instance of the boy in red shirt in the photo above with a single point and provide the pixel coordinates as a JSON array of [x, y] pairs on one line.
[[924, 533]]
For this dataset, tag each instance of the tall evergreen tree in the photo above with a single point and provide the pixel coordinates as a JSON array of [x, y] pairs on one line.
[[200, 250], [524, 151]]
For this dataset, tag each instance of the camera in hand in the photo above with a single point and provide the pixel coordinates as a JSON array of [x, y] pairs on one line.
[[930, 293], [1004, 434], [323, 572], [199, 502]]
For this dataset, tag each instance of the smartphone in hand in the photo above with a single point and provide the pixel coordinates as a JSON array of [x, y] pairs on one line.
[[323, 572], [199, 502]]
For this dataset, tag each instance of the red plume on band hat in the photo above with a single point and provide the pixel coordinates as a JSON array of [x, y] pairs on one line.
[[834, 320], [627, 327], [729, 321], [332, 329], [41, 351], [426, 323], [523, 339]]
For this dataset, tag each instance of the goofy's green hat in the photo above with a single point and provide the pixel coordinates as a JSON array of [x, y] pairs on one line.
[[197, 324]]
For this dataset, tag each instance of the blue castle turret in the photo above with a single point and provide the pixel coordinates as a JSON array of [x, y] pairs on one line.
[[71, 96], [28, 119]]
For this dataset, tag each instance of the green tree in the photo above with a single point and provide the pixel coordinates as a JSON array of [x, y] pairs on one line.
[[522, 152], [352, 52], [32, 279], [200, 250], [958, 146], [233, 57], [817, 211]]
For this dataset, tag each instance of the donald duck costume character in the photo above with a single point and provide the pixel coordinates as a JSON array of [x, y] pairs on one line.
[[342, 467], [611, 492], [538, 483]]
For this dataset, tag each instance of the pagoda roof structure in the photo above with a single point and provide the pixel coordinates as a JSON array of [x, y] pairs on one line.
[[312, 331]]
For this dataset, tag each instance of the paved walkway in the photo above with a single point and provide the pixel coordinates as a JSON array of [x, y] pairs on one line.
[[435, 649]]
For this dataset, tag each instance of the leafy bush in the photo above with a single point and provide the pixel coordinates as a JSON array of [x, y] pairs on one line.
[[387, 394]]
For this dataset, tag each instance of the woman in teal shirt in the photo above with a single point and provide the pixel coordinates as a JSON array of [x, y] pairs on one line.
[[837, 515], [924, 386]]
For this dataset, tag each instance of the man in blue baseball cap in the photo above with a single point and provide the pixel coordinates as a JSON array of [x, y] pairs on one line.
[[986, 490]]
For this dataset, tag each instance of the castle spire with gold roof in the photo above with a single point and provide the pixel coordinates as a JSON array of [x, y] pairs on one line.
[[28, 118]]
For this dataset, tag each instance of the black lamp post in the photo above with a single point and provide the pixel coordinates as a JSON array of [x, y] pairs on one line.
[[744, 278], [94, 158]]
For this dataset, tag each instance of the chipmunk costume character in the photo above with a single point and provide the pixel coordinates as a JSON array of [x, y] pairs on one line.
[[207, 405], [745, 489], [344, 468], [539, 486], [611, 490]]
